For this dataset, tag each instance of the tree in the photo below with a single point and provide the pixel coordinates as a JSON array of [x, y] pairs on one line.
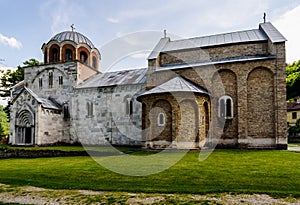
[[10, 78], [4, 124], [293, 80]]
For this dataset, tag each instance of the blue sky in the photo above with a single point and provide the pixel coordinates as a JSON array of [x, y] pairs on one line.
[[26, 25]]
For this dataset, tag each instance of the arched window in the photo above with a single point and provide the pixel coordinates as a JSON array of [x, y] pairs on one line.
[[94, 62], [55, 54], [225, 107], [89, 107], [69, 55], [50, 80], [161, 119], [60, 81], [45, 57], [83, 57], [129, 107], [66, 111], [40, 83]]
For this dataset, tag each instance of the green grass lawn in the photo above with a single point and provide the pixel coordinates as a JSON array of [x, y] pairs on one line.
[[272, 172]]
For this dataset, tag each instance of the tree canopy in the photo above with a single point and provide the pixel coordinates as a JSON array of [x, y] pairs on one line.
[[10, 78], [293, 80], [4, 123]]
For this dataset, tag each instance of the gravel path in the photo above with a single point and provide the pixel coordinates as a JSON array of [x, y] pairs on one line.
[[36, 195]]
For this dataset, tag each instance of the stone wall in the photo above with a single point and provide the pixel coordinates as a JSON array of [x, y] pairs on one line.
[[213, 53], [185, 120], [111, 119], [257, 89]]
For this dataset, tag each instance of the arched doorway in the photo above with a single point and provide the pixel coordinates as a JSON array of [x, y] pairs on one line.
[[24, 128]]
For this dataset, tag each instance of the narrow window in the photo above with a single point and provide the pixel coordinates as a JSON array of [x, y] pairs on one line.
[[50, 80], [294, 115], [228, 108], [83, 57], [131, 107], [66, 111], [127, 107], [41, 83], [89, 107], [55, 54], [60, 80], [69, 55], [161, 119], [225, 107], [94, 62]]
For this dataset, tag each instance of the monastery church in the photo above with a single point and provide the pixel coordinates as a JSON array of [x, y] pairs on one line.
[[226, 90]]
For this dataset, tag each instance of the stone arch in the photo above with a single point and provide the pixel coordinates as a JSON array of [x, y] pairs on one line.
[[228, 87], [158, 132], [83, 55], [68, 52], [260, 104], [54, 53], [37, 77], [189, 125], [24, 127]]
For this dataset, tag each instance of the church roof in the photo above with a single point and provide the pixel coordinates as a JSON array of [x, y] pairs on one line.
[[177, 84], [124, 77], [263, 33], [73, 36], [293, 106], [46, 103]]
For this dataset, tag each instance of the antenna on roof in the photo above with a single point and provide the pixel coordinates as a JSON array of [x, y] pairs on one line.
[[265, 17], [73, 27], [165, 33]]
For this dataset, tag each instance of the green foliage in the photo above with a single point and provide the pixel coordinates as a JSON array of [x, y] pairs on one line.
[[10, 78], [293, 80], [294, 131], [4, 124], [234, 171]]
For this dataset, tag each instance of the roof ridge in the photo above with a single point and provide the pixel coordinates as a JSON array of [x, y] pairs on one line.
[[219, 34]]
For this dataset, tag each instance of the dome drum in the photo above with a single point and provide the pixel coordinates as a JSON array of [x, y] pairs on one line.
[[69, 46]]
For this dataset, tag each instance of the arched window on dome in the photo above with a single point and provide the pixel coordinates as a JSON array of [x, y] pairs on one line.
[[83, 57], [69, 55], [94, 62], [54, 54], [45, 57]]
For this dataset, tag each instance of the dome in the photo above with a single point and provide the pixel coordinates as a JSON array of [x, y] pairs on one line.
[[76, 37]]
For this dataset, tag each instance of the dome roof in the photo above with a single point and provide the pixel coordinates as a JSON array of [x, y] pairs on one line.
[[76, 37]]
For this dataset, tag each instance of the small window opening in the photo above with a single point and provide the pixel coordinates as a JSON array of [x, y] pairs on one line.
[[41, 83], [69, 55], [294, 115], [60, 80], [83, 57], [161, 119], [50, 80]]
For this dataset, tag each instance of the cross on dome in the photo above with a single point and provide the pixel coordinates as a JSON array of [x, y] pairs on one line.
[[73, 27]]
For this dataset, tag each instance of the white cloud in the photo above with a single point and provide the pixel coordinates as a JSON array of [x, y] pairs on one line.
[[63, 13], [113, 20], [10, 41], [288, 25]]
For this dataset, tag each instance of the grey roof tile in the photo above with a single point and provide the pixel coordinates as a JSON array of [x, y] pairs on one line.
[[124, 77], [46, 103], [215, 40], [76, 37], [274, 35], [177, 84]]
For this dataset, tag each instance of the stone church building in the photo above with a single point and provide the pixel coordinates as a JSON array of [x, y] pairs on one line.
[[225, 90]]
